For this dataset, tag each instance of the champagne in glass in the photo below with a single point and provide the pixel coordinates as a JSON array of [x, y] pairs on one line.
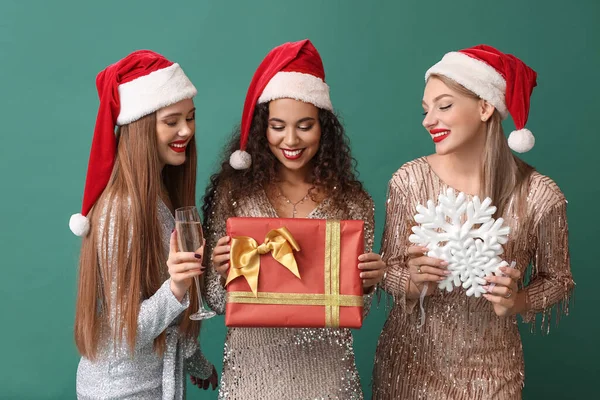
[[190, 239]]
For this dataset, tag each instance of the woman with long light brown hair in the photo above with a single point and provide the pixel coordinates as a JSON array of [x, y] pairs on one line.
[[132, 323], [455, 346]]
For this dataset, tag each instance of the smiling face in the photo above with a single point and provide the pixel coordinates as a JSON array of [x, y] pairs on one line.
[[455, 121], [293, 132], [175, 126]]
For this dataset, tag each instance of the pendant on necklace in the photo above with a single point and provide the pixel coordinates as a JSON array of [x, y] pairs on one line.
[[294, 211]]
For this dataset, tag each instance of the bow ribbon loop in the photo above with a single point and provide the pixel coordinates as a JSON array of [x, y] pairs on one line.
[[245, 255]]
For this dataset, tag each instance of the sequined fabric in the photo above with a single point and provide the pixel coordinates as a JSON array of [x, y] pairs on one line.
[[464, 351], [117, 373], [284, 363]]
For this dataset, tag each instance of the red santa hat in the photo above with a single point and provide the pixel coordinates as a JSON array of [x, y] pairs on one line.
[[293, 70], [501, 79], [138, 85]]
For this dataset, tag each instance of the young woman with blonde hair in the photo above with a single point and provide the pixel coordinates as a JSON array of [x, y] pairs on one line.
[[469, 347]]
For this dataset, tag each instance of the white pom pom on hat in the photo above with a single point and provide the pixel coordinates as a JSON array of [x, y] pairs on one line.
[[521, 140], [240, 160], [79, 224]]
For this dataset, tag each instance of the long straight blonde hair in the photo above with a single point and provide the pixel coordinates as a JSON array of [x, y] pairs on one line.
[[504, 174], [137, 263]]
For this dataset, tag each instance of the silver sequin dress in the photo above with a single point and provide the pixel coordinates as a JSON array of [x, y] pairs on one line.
[[117, 374], [284, 363]]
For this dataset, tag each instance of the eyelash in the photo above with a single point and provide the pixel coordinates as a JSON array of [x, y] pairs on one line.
[[172, 124], [281, 128], [441, 108]]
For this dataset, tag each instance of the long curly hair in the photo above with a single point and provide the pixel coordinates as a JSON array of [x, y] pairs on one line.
[[333, 174]]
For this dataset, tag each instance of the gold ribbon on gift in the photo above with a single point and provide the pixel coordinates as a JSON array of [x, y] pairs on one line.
[[331, 299], [246, 252]]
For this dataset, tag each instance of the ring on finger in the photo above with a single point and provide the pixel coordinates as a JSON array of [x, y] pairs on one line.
[[419, 269], [510, 292]]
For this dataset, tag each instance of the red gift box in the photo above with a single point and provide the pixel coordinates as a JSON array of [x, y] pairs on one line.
[[264, 288]]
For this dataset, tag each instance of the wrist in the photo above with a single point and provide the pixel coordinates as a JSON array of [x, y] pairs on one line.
[[411, 290], [177, 291], [520, 306]]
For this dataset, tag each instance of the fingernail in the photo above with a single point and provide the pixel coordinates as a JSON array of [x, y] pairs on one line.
[[445, 263], [447, 273], [441, 278], [228, 248], [198, 256], [361, 257], [361, 266], [486, 288], [362, 275]]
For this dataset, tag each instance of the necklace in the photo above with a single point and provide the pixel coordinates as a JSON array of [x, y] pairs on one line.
[[294, 205]]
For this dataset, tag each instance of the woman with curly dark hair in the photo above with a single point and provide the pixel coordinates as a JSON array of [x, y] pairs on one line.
[[294, 162]]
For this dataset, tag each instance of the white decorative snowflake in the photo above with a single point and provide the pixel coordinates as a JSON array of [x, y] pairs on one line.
[[470, 248]]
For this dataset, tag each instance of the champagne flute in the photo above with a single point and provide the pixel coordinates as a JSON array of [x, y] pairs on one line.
[[190, 239]]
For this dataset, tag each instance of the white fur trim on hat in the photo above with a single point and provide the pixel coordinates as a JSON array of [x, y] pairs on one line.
[[521, 140], [79, 224], [475, 75], [146, 94], [240, 159], [298, 86]]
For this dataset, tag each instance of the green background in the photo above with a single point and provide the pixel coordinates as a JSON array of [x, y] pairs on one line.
[[375, 55]]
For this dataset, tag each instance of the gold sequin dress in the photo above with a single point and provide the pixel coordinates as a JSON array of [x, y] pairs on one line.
[[463, 350], [284, 363]]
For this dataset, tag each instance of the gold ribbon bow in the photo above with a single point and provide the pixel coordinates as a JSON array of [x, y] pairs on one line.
[[245, 255]]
